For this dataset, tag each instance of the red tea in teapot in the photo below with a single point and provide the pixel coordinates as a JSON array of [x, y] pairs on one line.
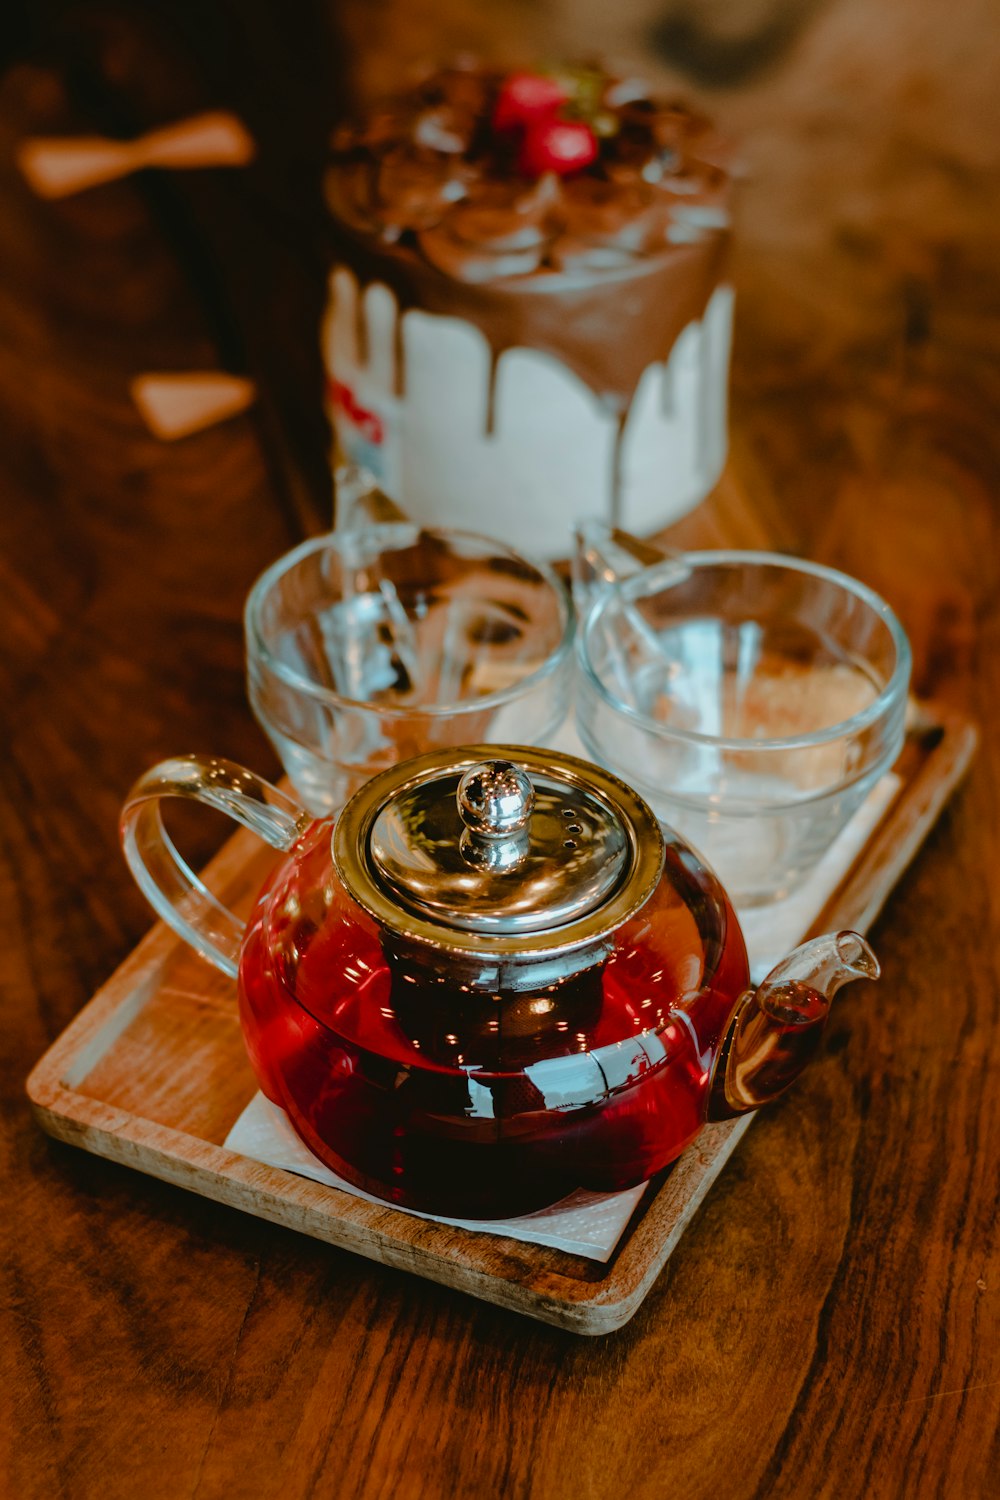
[[470, 1104], [492, 982]]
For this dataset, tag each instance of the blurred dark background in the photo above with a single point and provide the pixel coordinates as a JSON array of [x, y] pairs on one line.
[[867, 245], [866, 130]]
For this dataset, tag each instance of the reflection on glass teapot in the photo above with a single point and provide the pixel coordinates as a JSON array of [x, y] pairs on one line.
[[494, 980]]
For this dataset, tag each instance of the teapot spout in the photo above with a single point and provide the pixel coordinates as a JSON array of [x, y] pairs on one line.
[[776, 1029]]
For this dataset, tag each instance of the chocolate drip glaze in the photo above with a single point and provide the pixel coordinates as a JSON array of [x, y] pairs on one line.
[[607, 329], [491, 390], [361, 326], [602, 269], [616, 470], [398, 355]]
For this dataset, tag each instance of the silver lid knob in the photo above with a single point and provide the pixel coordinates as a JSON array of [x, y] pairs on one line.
[[498, 862], [495, 800]]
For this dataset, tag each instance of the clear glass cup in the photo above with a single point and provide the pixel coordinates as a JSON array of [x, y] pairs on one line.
[[368, 646], [753, 699]]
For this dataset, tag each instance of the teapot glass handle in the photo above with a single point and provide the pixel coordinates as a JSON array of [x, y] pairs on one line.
[[167, 882]]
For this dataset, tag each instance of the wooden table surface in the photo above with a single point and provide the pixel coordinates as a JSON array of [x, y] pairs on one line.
[[829, 1324]]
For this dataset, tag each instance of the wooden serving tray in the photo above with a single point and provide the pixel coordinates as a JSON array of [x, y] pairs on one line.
[[153, 1073]]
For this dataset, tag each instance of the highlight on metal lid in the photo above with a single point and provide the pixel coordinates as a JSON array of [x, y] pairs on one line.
[[502, 852]]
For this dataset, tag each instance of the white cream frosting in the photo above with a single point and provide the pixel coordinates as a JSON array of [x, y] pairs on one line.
[[549, 459]]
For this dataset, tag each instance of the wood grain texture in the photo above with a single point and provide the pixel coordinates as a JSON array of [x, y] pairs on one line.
[[153, 1073], [829, 1324]]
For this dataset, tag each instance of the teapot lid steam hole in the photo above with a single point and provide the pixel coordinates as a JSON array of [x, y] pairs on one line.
[[499, 852]]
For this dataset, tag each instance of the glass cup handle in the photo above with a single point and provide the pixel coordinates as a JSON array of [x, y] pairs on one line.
[[360, 503], [606, 556], [168, 883]]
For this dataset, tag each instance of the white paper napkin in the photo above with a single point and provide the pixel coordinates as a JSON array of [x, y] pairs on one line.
[[590, 1224], [584, 1223]]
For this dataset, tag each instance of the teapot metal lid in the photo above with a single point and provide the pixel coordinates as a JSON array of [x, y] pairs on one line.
[[499, 852]]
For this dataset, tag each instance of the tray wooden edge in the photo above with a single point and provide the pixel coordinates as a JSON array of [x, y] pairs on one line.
[[460, 1259], [489, 1267]]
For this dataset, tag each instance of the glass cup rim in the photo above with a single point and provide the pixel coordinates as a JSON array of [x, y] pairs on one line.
[[317, 692], [886, 698]]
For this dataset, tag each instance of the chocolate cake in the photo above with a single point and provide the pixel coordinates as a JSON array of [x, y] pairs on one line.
[[529, 319]]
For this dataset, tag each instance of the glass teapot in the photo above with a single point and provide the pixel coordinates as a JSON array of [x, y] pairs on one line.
[[493, 980]]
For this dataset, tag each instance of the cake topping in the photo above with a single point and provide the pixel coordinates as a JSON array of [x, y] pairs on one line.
[[448, 129], [490, 176], [497, 230], [568, 212], [525, 97], [555, 145]]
